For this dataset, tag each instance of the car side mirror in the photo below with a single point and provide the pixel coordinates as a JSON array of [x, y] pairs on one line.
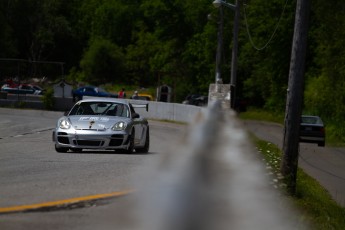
[[136, 115], [66, 113]]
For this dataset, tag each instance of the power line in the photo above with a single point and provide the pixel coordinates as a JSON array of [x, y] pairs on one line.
[[274, 32]]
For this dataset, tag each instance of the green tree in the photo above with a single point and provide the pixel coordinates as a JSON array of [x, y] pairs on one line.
[[103, 62], [156, 41], [138, 56], [264, 63], [324, 93], [113, 20], [38, 22], [176, 27], [38, 27], [7, 46]]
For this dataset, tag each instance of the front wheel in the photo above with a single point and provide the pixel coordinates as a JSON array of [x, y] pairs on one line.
[[131, 143], [60, 149], [146, 147], [321, 144]]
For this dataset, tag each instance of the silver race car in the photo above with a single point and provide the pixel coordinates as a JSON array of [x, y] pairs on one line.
[[103, 123]]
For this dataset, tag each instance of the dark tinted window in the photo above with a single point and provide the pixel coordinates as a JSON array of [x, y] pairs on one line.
[[100, 108], [311, 120]]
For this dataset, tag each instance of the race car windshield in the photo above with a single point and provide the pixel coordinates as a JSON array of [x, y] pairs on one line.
[[100, 108]]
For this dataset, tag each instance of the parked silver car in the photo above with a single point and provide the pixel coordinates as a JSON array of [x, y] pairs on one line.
[[103, 123], [312, 130]]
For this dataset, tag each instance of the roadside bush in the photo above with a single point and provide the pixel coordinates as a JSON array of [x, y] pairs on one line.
[[48, 99]]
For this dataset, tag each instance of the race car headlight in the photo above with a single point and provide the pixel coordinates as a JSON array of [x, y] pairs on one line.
[[119, 126], [64, 124]]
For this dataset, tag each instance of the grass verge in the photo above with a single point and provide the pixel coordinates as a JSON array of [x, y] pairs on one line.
[[261, 115], [315, 203]]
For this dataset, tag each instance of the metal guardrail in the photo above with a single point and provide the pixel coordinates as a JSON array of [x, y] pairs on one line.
[[215, 180]]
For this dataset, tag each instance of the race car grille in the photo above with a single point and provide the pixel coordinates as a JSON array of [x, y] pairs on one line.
[[88, 143], [116, 140], [98, 130], [63, 140], [62, 133]]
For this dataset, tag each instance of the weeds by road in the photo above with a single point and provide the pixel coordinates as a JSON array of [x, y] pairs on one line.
[[314, 202]]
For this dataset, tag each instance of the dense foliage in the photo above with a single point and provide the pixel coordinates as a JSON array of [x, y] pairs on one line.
[[151, 42]]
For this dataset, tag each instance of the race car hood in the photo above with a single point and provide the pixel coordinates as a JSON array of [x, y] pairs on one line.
[[95, 122]]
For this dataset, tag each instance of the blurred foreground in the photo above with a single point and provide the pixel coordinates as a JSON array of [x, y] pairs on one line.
[[213, 180]]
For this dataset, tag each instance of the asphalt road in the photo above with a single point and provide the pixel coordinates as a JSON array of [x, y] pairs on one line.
[[32, 172], [325, 164]]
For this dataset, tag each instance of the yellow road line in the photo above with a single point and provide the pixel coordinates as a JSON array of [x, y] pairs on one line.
[[22, 208]]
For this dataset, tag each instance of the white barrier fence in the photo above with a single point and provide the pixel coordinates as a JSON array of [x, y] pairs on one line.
[[169, 111], [157, 110], [214, 180]]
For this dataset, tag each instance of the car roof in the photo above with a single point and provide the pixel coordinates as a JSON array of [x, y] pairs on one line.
[[103, 99], [145, 95], [88, 86]]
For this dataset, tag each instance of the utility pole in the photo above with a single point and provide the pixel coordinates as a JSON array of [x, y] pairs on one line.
[[236, 8], [219, 47], [294, 100], [234, 55]]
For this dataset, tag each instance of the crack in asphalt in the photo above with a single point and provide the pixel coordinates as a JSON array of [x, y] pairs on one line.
[[75, 203], [66, 206], [27, 133]]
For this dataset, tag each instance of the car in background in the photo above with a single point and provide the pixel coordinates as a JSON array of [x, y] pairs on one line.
[[22, 89], [39, 88], [103, 124], [312, 130], [144, 97], [91, 91], [196, 99], [141, 96]]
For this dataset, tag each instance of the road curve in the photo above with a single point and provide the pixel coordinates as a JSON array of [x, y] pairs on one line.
[[325, 164]]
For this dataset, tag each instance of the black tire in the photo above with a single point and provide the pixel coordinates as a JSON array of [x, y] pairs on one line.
[[61, 149], [146, 147], [321, 144], [131, 143]]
